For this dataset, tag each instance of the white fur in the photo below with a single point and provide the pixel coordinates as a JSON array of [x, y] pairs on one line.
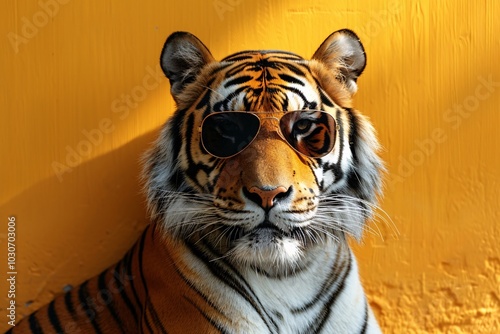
[[286, 293]]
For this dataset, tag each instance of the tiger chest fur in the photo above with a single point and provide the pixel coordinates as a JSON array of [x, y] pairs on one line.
[[253, 185]]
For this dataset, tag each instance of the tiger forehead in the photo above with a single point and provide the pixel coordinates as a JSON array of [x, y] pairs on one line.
[[257, 55], [263, 80], [263, 65]]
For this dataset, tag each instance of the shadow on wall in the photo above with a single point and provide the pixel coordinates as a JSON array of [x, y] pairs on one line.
[[59, 225]]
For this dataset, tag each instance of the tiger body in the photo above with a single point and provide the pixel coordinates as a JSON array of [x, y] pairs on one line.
[[254, 241]]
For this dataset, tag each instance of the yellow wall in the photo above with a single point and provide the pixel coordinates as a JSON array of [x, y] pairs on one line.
[[431, 87]]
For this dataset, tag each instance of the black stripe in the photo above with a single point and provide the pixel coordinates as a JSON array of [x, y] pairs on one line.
[[88, 306], [123, 293], [336, 168], [223, 105], [280, 101], [145, 320], [311, 105], [128, 265], [353, 180], [54, 320], [198, 291], [292, 89], [238, 81], [194, 168], [210, 320], [242, 55], [152, 310], [69, 304], [365, 320], [204, 101], [294, 67], [174, 125], [353, 134], [35, 325], [327, 308], [101, 282], [324, 97], [313, 165], [234, 280], [335, 270], [221, 66], [290, 79], [236, 69], [284, 55], [156, 319]]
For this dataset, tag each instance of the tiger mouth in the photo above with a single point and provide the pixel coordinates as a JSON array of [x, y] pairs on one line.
[[267, 232], [266, 224]]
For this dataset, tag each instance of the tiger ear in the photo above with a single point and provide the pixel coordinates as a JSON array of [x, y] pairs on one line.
[[343, 53], [182, 58]]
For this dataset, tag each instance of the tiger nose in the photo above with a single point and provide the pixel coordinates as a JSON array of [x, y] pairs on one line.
[[267, 197]]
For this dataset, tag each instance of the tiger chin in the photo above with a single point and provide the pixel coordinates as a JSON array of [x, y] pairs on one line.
[[254, 185]]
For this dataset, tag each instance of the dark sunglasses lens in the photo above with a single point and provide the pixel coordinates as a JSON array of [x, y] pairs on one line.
[[225, 134], [311, 133]]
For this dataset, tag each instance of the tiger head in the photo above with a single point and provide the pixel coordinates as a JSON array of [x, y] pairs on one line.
[[264, 159]]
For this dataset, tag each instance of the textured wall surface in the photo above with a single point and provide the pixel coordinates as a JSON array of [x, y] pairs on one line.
[[82, 98]]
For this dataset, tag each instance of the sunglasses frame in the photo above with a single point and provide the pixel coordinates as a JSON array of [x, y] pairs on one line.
[[261, 120]]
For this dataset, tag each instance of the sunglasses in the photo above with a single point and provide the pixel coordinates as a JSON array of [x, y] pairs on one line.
[[309, 132]]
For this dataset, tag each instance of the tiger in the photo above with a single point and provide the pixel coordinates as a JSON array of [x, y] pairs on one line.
[[254, 187]]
